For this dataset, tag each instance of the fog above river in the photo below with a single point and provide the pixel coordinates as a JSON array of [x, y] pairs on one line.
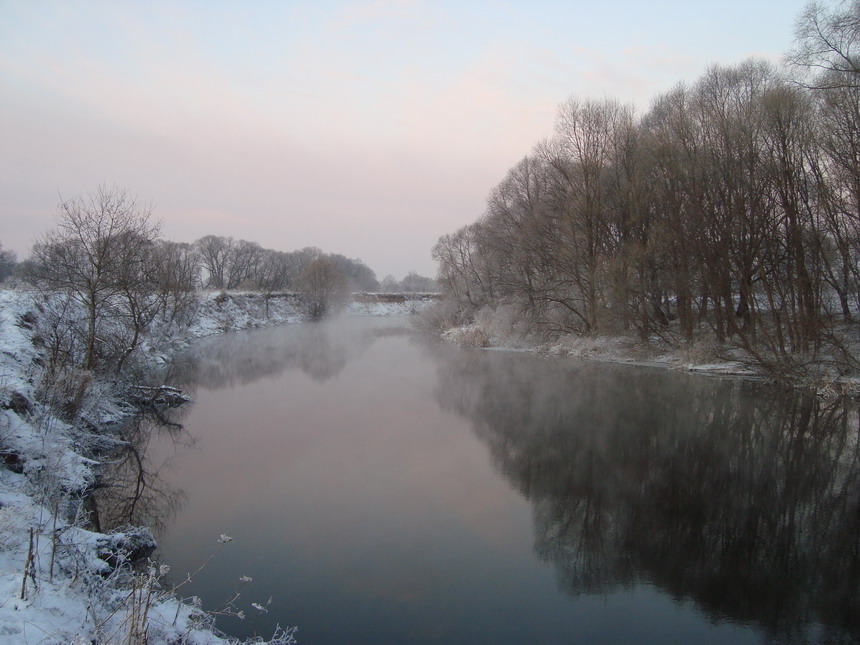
[[320, 350], [387, 480]]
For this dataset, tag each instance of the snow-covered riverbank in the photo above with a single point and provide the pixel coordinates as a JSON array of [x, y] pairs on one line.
[[607, 349], [500, 332], [61, 583]]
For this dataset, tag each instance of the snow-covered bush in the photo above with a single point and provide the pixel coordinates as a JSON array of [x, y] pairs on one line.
[[504, 324], [473, 335]]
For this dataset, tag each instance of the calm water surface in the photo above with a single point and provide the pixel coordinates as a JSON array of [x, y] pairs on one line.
[[380, 489]]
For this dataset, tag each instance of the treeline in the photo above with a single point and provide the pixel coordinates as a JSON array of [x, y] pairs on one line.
[[219, 262], [225, 263], [105, 276], [411, 283], [731, 208]]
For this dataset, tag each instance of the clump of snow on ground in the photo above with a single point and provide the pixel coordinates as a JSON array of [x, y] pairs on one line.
[[626, 350]]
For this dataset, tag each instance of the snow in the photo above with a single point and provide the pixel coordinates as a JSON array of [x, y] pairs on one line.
[[831, 372], [387, 308], [490, 332], [71, 592]]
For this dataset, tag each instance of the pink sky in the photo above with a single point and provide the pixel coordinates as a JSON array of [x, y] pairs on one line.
[[365, 128]]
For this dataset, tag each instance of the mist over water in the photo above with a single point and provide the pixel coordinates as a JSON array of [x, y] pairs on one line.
[[383, 489]]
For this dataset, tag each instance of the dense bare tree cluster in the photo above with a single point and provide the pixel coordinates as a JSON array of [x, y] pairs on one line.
[[732, 205], [359, 277]]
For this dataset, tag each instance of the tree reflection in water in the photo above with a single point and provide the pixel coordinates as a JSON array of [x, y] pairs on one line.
[[131, 489], [742, 499]]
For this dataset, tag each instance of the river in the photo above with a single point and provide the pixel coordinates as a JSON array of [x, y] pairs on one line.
[[379, 488]]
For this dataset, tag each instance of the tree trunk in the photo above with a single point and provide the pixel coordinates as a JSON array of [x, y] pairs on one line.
[[89, 358]]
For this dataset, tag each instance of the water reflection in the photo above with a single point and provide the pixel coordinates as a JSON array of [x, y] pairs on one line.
[[746, 502], [132, 489], [320, 350]]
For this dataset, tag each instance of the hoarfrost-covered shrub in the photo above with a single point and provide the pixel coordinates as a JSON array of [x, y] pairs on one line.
[[503, 325], [493, 326], [469, 336], [440, 316]]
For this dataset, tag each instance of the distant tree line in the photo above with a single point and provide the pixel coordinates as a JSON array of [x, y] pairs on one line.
[[226, 263], [213, 262], [411, 283], [105, 276], [732, 205]]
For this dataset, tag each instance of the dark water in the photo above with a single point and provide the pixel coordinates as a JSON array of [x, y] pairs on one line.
[[383, 490]]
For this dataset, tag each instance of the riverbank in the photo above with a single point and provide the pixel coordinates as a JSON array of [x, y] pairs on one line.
[[60, 581], [501, 330]]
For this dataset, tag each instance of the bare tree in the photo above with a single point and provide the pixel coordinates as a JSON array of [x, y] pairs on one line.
[[274, 274], [462, 269], [323, 287], [100, 241], [667, 258], [7, 263], [581, 156], [389, 284], [215, 254], [175, 268], [243, 261], [414, 283], [361, 276], [827, 42]]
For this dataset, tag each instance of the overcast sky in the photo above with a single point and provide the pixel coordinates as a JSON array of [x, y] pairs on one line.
[[365, 128]]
